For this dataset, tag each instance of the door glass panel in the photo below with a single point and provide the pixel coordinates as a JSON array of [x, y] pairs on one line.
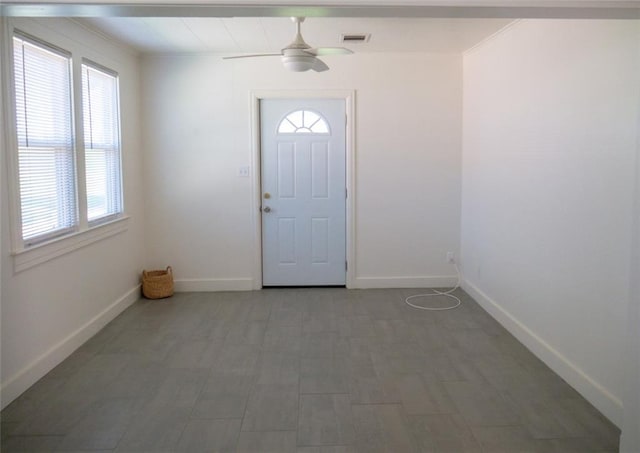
[[303, 122]]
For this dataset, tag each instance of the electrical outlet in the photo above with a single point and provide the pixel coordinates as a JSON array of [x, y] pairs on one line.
[[243, 172], [451, 257]]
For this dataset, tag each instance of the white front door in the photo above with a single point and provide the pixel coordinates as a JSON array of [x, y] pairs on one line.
[[303, 192]]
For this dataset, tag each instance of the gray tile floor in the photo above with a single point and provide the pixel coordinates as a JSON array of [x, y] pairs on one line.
[[303, 370]]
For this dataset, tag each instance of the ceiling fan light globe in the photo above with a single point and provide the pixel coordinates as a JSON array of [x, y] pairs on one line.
[[298, 63]]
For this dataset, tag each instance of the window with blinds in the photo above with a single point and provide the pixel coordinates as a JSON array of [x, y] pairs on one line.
[[52, 160], [44, 123], [101, 142]]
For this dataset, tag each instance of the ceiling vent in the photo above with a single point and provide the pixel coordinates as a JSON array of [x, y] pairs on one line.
[[355, 38]]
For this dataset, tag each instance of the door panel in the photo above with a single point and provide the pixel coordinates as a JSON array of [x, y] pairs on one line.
[[286, 240], [320, 170], [303, 190], [320, 240], [286, 170]]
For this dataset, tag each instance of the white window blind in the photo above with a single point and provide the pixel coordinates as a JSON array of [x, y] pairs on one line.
[[45, 140], [102, 143]]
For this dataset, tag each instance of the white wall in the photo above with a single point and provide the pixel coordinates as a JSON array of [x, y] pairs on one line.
[[550, 110], [197, 131], [630, 439], [52, 308], [3, 145]]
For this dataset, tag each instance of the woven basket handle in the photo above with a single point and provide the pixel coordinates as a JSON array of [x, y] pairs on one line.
[[144, 273], [169, 270]]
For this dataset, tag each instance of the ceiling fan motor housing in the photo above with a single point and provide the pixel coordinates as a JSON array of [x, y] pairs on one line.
[[297, 60]]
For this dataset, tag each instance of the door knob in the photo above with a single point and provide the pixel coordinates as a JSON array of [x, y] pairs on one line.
[[266, 209]]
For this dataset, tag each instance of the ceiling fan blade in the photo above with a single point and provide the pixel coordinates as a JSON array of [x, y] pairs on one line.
[[320, 66], [322, 51], [252, 56]]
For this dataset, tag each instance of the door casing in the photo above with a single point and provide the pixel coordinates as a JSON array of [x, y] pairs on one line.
[[348, 96]]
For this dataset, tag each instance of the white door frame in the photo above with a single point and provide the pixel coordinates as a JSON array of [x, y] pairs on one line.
[[349, 100]]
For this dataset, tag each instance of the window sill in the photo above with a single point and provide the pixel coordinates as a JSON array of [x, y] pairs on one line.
[[41, 253]]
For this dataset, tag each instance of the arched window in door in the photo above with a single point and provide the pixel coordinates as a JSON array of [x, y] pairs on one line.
[[303, 122]]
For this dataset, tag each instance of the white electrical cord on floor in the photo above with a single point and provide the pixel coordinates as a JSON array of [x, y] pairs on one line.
[[438, 293]]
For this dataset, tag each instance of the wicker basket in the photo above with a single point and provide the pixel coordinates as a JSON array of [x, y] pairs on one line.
[[157, 284]]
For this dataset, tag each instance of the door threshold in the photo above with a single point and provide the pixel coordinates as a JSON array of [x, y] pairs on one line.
[[302, 286]]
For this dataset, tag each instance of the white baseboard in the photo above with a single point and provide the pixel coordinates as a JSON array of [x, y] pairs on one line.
[[594, 392], [213, 284], [441, 281], [29, 375]]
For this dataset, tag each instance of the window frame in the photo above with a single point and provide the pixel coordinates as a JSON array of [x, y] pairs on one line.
[[28, 253], [34, 41], [113, 216]]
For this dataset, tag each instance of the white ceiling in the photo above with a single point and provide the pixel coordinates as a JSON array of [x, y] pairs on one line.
[[248, 34]]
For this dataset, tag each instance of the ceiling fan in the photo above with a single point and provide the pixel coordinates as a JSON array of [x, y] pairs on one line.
[[300, 56]]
